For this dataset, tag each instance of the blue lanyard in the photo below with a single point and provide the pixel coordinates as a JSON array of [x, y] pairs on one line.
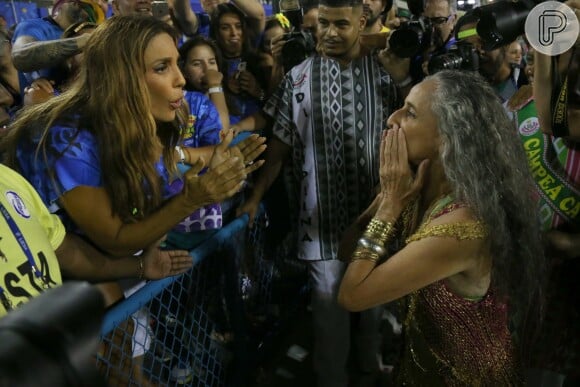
[[21, 241]]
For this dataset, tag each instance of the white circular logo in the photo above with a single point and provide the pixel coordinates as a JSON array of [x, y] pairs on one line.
[[529, 126], [17, 204], [552, 28]]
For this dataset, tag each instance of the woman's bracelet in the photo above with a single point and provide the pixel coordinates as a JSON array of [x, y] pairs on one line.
[[181, 153], [370, 244], [364, 255], [215, 89], [379, 231]]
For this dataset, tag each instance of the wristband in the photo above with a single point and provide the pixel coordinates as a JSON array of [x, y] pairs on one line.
[[215, 89], [404, 83], [181, 153]]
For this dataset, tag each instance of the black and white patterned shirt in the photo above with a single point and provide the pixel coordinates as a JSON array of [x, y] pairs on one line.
[[332, 117]]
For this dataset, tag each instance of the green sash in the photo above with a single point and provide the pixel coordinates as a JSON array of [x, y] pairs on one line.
[[546, 158]]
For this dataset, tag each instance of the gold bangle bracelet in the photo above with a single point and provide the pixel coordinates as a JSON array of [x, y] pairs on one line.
[[365, 255], [379, 231]]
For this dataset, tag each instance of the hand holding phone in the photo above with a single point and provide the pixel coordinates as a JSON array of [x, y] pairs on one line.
[[160, 9]]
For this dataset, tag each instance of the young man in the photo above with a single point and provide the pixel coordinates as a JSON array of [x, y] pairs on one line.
[[329, 112], [375, 11]]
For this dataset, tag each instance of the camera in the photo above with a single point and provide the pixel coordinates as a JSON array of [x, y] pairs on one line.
[[415, 33], [57, 335], [502, 22], [411, 37], [299, 46], [461, 56]]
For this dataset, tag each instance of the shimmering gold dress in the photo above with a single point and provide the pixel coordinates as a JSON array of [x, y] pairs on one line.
[[453, 341]]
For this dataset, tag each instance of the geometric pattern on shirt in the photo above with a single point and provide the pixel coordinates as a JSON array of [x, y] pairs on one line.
[[348, 110]]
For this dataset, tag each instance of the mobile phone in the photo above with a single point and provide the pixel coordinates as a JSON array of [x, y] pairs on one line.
[[242, 66], [402, 9], [160, 9]]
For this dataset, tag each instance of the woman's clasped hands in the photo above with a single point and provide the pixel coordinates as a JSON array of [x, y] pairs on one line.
[[227, 171], [399, 184]]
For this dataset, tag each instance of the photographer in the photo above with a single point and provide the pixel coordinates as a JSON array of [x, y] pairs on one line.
[[285, 45], [439, 17], [276, 27], [294, 46], [494, 64]]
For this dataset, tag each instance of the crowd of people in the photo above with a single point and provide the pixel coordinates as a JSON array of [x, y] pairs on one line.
[[454, 193]]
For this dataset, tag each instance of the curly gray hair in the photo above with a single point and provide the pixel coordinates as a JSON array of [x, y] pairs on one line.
[[485, 163]]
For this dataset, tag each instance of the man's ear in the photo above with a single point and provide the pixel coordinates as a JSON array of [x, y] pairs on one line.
[[363, 22], [454, 19]]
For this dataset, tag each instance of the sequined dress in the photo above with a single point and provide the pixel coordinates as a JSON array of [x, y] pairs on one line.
[[453, 341]]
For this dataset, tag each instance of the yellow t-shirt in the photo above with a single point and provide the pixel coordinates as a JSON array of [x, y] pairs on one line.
[[42, 231]]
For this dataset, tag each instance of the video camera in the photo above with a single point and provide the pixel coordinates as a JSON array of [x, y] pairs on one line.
[[497, 25], [415, 34], [299, 44], [52, 339]]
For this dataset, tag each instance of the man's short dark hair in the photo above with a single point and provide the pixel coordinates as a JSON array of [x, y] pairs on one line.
[[341, 3]]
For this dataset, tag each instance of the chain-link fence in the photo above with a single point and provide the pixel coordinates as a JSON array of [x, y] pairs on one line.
[[203, 328]]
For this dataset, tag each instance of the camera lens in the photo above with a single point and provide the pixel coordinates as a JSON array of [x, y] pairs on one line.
[[405, 42], [462, 56], [411, 37], [501, 23], [445, 62]]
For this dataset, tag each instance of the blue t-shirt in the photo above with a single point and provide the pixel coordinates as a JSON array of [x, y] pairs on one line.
[[74, 155], [203, 128], [204, 125], [41, 30]]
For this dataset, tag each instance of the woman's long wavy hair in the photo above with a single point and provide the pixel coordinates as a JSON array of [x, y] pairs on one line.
[[111, 98], [218, 13], [485, 163]]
